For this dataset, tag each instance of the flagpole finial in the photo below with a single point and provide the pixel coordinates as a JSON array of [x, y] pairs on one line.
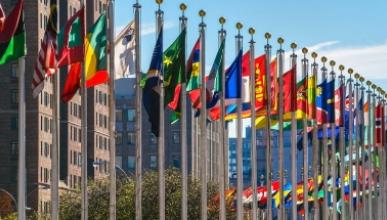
[[267, 37], [361, 79], [332, 63], [293, 46], [314, 56], [183, 7], [368, 83], [222, 20], [357, 76], [280, 40], [373, 86], [341, 68], [324, 60], [239, 26], [202, 13], [159, 2], [304, 50], [350, 71], [251, 31]]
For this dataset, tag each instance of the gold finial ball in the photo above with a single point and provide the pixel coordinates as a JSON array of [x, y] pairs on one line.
[[357, 75], [350, 70], [280, 40], [382, 92], [314, 55], [373, 86], [267, 35], [222, 20], [239, 25], [251, 31], [159, 2], [361, 79], [341, 67], [332, 63], [368, 83], [202, 13], [324, 59], [304, 50], [183, 6], [293, 45]]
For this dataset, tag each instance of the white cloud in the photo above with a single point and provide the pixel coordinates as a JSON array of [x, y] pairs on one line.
[[148, 28]]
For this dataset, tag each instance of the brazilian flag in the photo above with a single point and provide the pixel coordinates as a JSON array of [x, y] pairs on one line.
[[13, 36]]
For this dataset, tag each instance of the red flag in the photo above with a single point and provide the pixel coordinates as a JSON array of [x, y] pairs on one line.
[[339, 105], [289, 90], [2, 18], [379, 125], [72, 83], [10, 24], [69, 53]]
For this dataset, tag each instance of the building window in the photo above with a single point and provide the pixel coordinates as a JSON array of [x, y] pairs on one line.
[[105, 143], [176, 137], [46, 149], [14, 97], [105, 99], [14, 146], [119, 138], [14, 123], [118, 115], [131, 138], [153, 162], [131, 162], [14, 70], [131, 114], [105, 121]]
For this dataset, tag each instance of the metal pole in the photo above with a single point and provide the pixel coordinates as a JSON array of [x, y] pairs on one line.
[[280, 73], [222, 176], [252, 123], [305, 73], [362, 143], [161, 140], [342, 142], [357, 143], [183, 127], [377, 175], [84, 205], [137, 9], [333, 163], [55, 140], [293, 58], [316, 158], [269, 213], [21, 196], [373, 152], [238, 46], [369, 143], [325, 147], [203, 117], [350, 80], [112, 113]]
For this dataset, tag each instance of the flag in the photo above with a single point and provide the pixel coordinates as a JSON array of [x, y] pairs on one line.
[[13, 37], [2, 18], [330, 101], [71, 40], [312, 96], [289, 94], [124, 48], [151, 90], [339, 105], [193, 72], [321, 112], [174, 71], [46, 62], [95, 57], [273, 87], [379, 125], [72, 83]]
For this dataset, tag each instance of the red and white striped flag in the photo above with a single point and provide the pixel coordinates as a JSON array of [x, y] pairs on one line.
[[46, 61], [379, 125]]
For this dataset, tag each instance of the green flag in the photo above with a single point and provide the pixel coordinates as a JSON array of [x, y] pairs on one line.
[[174, 72], [13, 47]]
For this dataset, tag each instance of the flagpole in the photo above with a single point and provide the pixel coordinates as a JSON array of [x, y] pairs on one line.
[[222, 176], [55, 139], [183, 128], [269, 213], [161, 140], [325, 147], [369, 162], [357, 133], [316, 158], [377, 189], [280, 73], [342, 143], [294, 134], [350, 152], [21, 196], [383, 168], [84, 205], [252, 123], [333, 154], [137, 10], [203, 116], [112, 113], [305, 73], [362, 143], [239, 43]]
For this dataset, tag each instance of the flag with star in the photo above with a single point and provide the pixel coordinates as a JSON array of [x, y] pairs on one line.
[[330, 101], [174, 71], [321, 113]]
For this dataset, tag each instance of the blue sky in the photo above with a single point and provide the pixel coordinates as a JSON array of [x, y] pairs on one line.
[[354, 33]]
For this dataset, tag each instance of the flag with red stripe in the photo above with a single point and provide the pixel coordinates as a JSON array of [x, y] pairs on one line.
[[46, 62], [379, 125]]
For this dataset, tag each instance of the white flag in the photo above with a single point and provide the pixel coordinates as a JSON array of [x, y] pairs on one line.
[[124, 46]]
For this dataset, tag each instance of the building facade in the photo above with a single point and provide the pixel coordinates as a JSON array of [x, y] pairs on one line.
[[125, 142], [39, 115]]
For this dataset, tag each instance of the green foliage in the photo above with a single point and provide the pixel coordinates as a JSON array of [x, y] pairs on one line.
[[70, 206]]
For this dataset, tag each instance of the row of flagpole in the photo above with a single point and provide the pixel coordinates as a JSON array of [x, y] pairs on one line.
[[372, 97]]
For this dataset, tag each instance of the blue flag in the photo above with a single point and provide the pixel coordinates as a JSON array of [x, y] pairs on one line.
[[330, 100], [151, 96], [234, 79]]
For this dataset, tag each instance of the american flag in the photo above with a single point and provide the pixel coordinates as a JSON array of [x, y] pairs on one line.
[[46, 61]]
